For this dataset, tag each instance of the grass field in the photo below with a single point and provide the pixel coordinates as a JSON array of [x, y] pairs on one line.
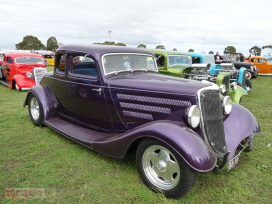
[[33, 157]]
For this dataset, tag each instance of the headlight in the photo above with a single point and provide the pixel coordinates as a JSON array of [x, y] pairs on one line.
[[227, 105], [29, 75], [193, 116], [222, 88]]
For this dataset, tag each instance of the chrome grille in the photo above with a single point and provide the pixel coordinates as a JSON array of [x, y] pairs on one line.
[[226, 81], [38, 74], [212, 120]]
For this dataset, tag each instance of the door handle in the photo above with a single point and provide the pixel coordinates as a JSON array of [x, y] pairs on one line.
[[98, 90]]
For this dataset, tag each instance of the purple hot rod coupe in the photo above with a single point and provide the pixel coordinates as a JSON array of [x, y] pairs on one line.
[[111, 98]]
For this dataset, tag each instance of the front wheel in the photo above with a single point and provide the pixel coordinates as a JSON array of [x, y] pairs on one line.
[[35, 110], [163, 170], [248, 83]]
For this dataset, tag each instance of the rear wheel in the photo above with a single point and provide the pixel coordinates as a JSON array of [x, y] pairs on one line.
[[35, 110], [163, 170]]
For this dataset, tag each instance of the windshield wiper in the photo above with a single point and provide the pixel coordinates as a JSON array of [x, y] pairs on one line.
[[122, 70]]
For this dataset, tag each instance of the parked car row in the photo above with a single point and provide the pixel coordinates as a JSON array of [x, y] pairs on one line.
[[201, 67], [113, 98]]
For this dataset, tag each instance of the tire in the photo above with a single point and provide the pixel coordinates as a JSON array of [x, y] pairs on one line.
[[163, 170], [248, 83], [35, 110], [16, 87]]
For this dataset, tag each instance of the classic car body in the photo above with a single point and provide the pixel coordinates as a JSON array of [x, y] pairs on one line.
[[50, 59], [263, 64], [21, 71], [192, 67], [239, 76], [252, 71], [114, 98]]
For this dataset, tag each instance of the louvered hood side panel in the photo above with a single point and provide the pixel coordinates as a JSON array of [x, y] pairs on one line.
[[136, 108]]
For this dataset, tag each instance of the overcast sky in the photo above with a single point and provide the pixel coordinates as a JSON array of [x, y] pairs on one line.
[[202, 25]]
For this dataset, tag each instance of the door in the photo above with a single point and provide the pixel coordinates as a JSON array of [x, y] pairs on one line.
[[85, 93]]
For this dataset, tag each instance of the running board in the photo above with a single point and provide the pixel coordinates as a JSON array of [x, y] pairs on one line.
[[4, 83], [77, 133]]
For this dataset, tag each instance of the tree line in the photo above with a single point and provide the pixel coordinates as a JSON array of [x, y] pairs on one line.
[[33, 43]]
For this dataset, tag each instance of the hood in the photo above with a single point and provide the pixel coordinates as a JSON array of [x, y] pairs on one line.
[[155, 82]]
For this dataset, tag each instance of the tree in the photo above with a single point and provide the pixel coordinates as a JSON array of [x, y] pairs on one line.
[[111, 43], [175, 49], [141, 46], [52, 44], [30, 43], [121, 44], [255, 50], [268, 47], [230, 50], [211, 53], [160, 47], [191, 50]]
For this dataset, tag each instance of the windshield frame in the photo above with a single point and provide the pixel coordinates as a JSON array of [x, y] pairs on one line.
[[129, 70]]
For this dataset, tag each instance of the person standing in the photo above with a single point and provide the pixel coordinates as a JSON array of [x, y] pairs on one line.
[[217, 57], [242, 58]]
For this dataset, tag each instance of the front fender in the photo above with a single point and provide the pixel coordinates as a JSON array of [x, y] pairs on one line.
[[23, 81], [188, 144], [237, 93], [47, 99], [239, 125]]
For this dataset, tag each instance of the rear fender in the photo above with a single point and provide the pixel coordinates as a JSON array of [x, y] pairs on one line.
[[47, 99], [188, 144]]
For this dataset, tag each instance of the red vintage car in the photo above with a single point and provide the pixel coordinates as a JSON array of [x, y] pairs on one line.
[[21, 71]]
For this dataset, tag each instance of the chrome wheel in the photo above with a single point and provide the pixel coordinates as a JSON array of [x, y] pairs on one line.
[[34, 108], [161, 167], [163, 170]]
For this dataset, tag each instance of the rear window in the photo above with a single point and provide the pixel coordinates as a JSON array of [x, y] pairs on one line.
[[28, 60]]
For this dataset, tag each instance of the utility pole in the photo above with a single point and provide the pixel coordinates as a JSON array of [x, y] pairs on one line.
[[109, 34]]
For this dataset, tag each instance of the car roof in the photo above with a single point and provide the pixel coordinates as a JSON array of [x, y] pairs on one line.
[[258, 57], [193, 54], [21, 54], [99, 50], [167, 52]]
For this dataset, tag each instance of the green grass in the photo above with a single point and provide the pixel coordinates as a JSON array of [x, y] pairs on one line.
[[33, 157]]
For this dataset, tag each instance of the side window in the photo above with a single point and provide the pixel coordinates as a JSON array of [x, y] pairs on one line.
[[9, 60], [82, 66], [60, 63]]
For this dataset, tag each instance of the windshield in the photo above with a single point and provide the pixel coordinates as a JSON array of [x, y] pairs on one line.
[[209, 59], [179, 60], [120, 62], [29, 60]]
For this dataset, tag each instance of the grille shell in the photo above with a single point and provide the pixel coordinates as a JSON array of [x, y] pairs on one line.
[[212, 121]]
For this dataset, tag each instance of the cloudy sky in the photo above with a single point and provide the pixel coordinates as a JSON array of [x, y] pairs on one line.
[[202, 25]]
